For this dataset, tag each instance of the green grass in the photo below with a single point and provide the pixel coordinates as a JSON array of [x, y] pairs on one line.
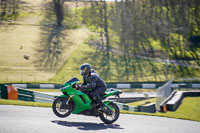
[[24, 103], [115, 68], [114, 72], [13, 65], [71, 66], [14, 68], [189, 110]]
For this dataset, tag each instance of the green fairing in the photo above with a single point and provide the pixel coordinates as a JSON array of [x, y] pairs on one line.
[[106, 104], [110, 93], [63, 96], [81, 105], [76, 95]]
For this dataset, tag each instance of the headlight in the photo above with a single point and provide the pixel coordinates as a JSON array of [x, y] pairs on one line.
[[62, 89]]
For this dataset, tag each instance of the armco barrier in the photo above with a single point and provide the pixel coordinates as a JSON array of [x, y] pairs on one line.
[[127, 107], [128, 99], [28, 95], [176, 100], [150, 108]]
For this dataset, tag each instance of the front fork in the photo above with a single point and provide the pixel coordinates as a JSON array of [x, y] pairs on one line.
[[66, 101]]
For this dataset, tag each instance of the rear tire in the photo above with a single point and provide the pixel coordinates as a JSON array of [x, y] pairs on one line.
[[115, 114], [62, 112]]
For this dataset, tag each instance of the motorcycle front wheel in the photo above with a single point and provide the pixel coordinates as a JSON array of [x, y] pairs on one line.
[[108, 119], [61, 109]]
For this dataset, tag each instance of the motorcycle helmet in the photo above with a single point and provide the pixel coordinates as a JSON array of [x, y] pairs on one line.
[[85, 69]]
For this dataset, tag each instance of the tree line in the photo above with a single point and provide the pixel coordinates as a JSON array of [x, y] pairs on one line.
[[150, 28], [8, 7]]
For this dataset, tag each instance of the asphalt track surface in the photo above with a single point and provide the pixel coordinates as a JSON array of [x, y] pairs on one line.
[[22, 119]]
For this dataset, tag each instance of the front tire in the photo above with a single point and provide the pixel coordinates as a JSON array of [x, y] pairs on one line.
[[64, 111], [108, 119]]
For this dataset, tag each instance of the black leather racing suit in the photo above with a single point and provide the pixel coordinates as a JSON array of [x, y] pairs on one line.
[[93, 81]]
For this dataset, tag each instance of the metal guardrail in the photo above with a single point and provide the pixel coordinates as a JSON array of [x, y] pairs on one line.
[[175, 101], [127, 107], [28, 95]]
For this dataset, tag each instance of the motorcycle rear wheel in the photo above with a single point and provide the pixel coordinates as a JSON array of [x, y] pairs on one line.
[[64, 111], [108, 119]]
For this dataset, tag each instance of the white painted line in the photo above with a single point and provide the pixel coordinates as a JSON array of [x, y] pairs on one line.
[[120, 86], [195, 85], [47, 86], [175, 85], [20, 85], [149, 86]]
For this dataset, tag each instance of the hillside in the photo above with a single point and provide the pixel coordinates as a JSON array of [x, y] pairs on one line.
[[34, 49], [26, 36]]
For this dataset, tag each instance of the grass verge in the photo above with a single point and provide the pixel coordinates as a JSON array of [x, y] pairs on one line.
[[24, 103]]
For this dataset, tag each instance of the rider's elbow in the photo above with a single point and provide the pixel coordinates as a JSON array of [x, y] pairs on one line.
[[93, 85]]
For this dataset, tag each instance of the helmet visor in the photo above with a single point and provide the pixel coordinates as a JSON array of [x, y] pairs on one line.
[[82, 71]]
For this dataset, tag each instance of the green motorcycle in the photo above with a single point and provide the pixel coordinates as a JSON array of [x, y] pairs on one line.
[[78, 101]]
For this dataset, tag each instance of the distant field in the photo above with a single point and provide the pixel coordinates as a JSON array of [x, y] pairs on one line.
[[25, 38], [13, 65]]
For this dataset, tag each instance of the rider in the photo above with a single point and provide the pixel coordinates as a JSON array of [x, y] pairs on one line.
[[93, 81]]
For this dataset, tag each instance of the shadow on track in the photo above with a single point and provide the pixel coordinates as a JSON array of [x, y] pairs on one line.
[[87, 125]]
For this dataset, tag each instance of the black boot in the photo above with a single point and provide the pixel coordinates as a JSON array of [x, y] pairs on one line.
[[102, 107], [98, 99]]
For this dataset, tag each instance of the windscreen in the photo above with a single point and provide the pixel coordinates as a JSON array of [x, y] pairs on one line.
[[74, 79]]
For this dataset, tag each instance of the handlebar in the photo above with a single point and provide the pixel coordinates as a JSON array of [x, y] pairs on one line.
[[77, 86]]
